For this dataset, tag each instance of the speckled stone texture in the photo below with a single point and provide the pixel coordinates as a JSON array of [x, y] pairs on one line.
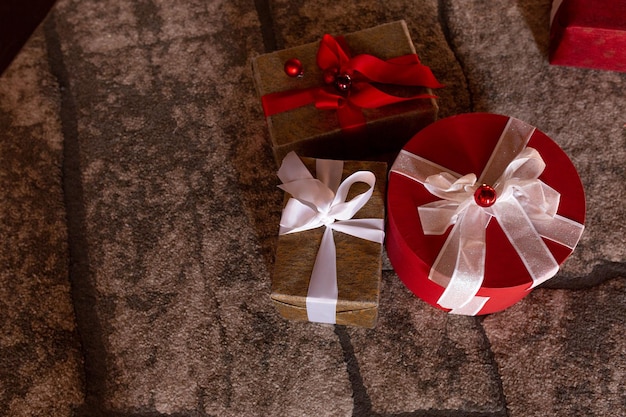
[[40, 359], [139, 216]]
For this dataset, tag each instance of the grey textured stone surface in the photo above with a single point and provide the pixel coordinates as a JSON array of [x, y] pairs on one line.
[[139, 216], [421, 359], [40, 358], [565, 355]]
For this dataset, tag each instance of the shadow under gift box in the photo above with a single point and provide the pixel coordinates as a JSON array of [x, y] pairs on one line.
[[464, 144], [589, 34], [359, 261], [312, 132]]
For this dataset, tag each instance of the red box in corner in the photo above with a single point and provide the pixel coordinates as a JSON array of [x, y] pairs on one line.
[[589, 34]]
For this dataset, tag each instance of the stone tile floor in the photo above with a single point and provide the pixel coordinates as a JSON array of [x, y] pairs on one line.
[[137, 178]]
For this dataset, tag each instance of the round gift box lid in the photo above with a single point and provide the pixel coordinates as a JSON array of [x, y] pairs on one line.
[[464, 144]]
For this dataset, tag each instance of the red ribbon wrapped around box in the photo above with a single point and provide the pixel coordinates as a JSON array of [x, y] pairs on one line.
[[347, 86], [589, 34], [481, 209]]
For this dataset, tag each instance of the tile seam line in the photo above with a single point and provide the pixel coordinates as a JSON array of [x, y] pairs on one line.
[[361, 402], [264, 14], [82, 291], [495, 367], [442, 14]]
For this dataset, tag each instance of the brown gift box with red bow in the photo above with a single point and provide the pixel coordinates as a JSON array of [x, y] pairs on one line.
[[315, 132]]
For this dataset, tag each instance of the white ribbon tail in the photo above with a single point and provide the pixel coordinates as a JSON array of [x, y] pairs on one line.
[[417, 168], [321, 300], [292, 169], [513, 140], [329, 172], [471, 308], [311, 192], [532, 250], [468, 260], [297, 217], [342, 209], [437, 216], [560, 229], [368, 229], [323, 292]]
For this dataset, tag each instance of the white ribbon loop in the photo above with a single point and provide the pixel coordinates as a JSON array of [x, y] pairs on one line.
[[531, 249], [310, 192], [343, 210], [368, 229], [322, 202], [449, 187], [525, 209]]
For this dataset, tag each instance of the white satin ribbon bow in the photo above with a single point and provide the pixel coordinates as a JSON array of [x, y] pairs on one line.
[[322, 202], [525, 209]]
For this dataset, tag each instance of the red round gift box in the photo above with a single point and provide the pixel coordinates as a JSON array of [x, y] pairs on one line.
[[464, 143]]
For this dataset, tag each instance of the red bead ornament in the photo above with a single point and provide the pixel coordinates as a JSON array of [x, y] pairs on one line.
[[343, 82], [485, 195], [330, 75], [293, 68]]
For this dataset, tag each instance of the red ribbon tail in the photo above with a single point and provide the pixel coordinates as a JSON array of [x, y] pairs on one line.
[[404, 70], [370, 97], [282, 101], [350, 118], [325, 100]]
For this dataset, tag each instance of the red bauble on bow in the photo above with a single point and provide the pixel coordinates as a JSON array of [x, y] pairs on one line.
[[348, 83]]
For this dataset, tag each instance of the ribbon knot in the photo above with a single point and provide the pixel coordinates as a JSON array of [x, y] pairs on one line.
[[525, 208], [334, 60], [326, 219], [318, 202]]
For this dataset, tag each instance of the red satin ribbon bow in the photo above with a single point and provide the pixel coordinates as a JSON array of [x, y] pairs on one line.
[[362, 70]]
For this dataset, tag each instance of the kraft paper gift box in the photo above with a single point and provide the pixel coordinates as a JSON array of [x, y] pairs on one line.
[[328, 269], [589, 34], [313, 116], [481, 208]]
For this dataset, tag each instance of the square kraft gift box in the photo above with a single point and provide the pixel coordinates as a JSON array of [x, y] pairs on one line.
[[588, 34], [322, 115], [481, 208], [329, 254]]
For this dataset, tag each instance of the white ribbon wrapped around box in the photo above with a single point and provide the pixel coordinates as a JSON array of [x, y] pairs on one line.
[[508, 191], [325, 205]]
